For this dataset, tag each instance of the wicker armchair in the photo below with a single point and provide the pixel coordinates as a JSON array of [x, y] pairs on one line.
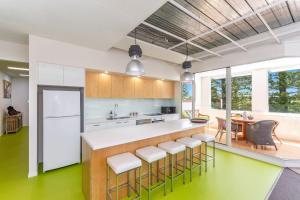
[[260, 133], [235, 128]]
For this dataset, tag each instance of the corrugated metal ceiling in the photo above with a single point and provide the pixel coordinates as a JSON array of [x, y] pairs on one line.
[[215, 13]]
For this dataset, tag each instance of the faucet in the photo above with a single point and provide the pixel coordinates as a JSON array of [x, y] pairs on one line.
[[115, 110]]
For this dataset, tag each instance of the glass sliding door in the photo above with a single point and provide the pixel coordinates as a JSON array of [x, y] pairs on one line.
[[187, 100], [210, 101]]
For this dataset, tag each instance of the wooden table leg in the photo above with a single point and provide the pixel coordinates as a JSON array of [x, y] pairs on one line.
[[244, 127]]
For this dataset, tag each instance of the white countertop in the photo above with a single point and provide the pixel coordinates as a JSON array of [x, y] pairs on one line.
[[116, 136]]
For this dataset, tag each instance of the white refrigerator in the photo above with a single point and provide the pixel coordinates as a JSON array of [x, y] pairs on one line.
[[61, 128]]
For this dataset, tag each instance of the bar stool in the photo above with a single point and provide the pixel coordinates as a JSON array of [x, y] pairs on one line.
[[191, 144], [206, 138], [151, 155], [123, 163], [173, 149]]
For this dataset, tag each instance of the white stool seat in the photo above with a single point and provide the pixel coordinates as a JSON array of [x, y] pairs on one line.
[[189, 142], [204, 137], [151, 154], [172, 147], [123, 162]]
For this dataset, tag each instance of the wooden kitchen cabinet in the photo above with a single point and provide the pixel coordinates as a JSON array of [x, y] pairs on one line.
[[163, 89], [128, 87], [168, 90], [122, 86], [91, 84], [101, 85], [117, 86], [143, 88], [158, 89], [104, 85]]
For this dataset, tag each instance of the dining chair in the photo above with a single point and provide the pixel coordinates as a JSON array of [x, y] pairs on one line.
[[260, 133], [235, 128], [274, 133]]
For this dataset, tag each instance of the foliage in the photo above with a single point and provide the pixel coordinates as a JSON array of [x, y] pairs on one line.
[[241, 95], [284, 91], [187, 91]]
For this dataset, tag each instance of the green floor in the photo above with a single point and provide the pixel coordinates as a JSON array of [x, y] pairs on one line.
[[234, 178]]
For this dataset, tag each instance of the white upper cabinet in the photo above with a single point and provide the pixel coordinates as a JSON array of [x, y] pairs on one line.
[[74, 76], [52, 74]]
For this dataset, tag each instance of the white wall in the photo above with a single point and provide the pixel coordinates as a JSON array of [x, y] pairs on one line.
[[4, 103], [20, 94], [51, 51], [13, 51]]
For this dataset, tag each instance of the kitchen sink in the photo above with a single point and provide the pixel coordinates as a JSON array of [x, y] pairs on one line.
[[114, 118]]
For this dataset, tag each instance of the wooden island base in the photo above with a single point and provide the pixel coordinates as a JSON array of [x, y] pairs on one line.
[[94, 161]]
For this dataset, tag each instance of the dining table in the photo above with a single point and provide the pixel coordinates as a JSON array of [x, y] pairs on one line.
[[244, 123]]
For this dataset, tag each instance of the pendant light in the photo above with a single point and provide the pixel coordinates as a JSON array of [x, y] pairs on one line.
[[135, 67], [187, 76]]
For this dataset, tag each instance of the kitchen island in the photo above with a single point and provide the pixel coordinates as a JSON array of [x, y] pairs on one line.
[[98, 145]]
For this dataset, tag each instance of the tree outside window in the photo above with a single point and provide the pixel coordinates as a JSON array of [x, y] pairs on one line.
[[284, 91], [241, 93]]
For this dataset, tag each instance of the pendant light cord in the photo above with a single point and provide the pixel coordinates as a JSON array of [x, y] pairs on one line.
[[187, 52], [135, 36]]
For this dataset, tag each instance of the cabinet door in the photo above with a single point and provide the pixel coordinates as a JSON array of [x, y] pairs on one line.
[[91, 84], [143, 88], [73, 76], [148, 88], [117, 87], [168, 90], [50, 74], [158, 89], [104, 86], [128, 87]]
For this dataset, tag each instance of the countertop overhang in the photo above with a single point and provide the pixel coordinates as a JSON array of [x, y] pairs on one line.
[[117, 136]]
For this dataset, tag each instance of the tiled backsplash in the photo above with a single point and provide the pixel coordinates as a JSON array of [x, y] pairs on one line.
[[99, 108]]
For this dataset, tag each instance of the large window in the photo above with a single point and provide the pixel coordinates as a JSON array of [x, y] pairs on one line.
[[284, 91], [241, 93], [187, 100]]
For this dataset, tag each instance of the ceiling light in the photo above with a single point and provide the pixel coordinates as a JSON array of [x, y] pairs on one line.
[[24, 75], [18, 68], [135, 67], [187, 76]]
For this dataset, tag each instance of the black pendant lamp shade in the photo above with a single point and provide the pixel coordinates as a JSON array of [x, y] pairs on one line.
[[135, 67], [187, 76]]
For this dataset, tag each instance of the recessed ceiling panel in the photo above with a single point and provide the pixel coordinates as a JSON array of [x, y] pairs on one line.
[[150, 35], [188, 5], [191, 49], [294, 6], [282, 14], [214, 39], [173, 20]]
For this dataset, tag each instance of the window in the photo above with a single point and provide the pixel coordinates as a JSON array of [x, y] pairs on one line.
[[241, 93], [284, 91], [187, 100]]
